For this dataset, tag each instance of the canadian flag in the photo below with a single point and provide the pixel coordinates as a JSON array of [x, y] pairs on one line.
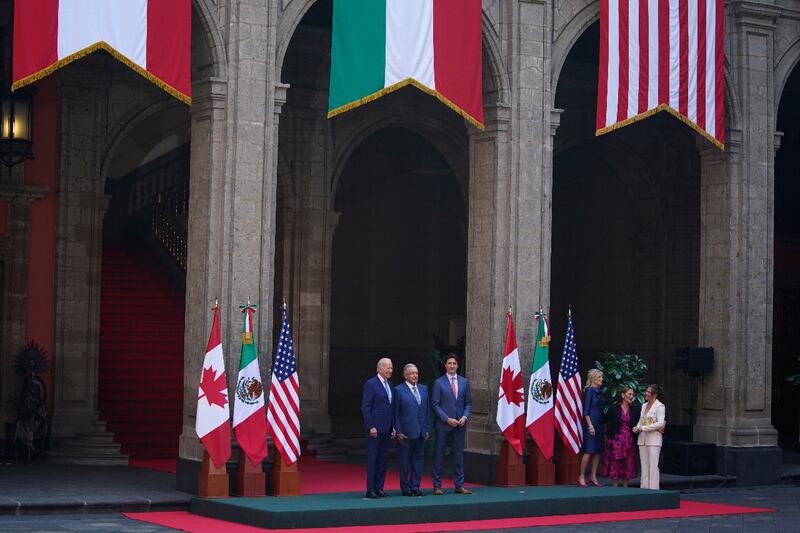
[[153, 37], [213, 423]]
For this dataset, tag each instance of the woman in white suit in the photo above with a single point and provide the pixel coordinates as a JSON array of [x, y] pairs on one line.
[[650, 428]]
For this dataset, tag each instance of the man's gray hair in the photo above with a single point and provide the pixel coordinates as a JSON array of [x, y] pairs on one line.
[[382, 361], [409, 365]]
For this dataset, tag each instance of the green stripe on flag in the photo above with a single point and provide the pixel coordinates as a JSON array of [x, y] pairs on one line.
[[358, 50], [248, 354], [540, 353]]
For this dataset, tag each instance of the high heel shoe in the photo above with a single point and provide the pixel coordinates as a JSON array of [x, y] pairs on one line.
[[595, 483], [582, 484]]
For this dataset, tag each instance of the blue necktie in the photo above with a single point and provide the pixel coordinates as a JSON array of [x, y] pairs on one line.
[[388, 392], [416, 395]]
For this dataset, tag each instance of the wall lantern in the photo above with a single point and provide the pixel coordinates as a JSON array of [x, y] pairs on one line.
[[16, 126]]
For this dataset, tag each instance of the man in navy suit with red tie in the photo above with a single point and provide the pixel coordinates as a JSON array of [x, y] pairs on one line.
[[412, 424], [377, 408], [452, 404]]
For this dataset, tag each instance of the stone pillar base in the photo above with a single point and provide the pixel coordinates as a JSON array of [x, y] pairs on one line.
[[751, 466], [186, 475], [479, 468]]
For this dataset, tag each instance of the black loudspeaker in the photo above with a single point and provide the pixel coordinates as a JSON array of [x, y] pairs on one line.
[[695, 360]]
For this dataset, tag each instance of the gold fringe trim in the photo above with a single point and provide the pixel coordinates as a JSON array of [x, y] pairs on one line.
[[399, 85], [651, 112], [102, 45]]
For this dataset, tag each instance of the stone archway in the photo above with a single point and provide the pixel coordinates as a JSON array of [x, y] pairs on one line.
[[786, 302], [625, 231]]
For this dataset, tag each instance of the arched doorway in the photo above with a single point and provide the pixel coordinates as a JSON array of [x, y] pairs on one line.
[[399, 265], [625, 241], [786, 307]]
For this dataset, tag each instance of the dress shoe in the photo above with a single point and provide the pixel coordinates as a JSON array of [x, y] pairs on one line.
[[437, 491], [372, 495], [595, 483], [408, 493], [582, 484], [417, 492], [381, 494], [462, 490]]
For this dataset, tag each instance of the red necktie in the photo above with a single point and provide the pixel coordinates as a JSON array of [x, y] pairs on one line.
[[453, 386]]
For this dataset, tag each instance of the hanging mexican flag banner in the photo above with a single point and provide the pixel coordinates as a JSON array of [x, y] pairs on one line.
[[379, 46], [539, 420]]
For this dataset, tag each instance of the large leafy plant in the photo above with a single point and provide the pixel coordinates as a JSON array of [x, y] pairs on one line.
[[622, 371]]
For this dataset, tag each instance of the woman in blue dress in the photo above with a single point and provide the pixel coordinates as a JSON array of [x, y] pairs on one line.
[[592, 426]]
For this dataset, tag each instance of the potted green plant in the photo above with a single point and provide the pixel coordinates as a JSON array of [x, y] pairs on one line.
[[622, 371]]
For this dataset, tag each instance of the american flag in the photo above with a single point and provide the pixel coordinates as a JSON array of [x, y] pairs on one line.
[[569, 406], [662, 55], [283, 411]]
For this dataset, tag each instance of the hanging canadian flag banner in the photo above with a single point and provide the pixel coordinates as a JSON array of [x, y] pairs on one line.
[[153, 37]]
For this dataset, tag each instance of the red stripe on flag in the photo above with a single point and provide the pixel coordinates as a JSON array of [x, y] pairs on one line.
[[624, 66], [719, 90], [457, 54], [280, 437], [701, 63], [214, 339], [35, 36], [251, 435], [218, 444], [663, 51], [169, 43], [683, 60], [602, 73], [644, 56]]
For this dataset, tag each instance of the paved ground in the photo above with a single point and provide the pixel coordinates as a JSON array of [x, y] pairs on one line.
[[40, 498]]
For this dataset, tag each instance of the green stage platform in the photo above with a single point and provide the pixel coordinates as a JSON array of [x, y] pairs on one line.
[[352, 509]]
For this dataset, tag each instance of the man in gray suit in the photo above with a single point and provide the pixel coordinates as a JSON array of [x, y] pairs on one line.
[[452, 404]]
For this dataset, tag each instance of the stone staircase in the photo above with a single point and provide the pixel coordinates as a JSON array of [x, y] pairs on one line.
[[95, 447]]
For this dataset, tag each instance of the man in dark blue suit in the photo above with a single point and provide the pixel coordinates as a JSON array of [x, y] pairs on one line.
[[412, 424], [377, 408], [452, 404]]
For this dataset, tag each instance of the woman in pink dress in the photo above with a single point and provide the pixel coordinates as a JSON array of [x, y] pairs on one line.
[[619, 462]]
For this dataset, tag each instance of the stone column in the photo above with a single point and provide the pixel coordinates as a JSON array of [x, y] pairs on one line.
[[736, 267], [14, 255], [508, 257], [232, 208], [79, 234], [308, 252]]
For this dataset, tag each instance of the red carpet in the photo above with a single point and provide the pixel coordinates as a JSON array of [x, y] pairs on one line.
[[162, 465], [141, 354], [186, 521]]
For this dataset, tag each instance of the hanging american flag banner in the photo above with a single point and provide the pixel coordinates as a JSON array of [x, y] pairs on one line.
[[569, 405], [283, 410], [662, 55]]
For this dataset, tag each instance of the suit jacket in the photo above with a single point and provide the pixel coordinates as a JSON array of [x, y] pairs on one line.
[[615, 416], [445, 405], [411, 418], [376, 408], [651, 423]]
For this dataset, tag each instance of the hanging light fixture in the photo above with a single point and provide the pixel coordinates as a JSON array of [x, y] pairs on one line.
[[16, 126]]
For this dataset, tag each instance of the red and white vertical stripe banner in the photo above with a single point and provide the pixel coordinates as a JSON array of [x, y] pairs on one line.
[[662, 55], [153, 37]]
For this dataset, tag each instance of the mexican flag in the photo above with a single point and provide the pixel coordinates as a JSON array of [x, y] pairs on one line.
[[379, 46], [540, 391], [213, 422], [152, 37], [249, 414], [511, 397]]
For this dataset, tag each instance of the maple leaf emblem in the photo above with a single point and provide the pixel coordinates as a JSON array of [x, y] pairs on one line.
[[214, 387], [511, 386]]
